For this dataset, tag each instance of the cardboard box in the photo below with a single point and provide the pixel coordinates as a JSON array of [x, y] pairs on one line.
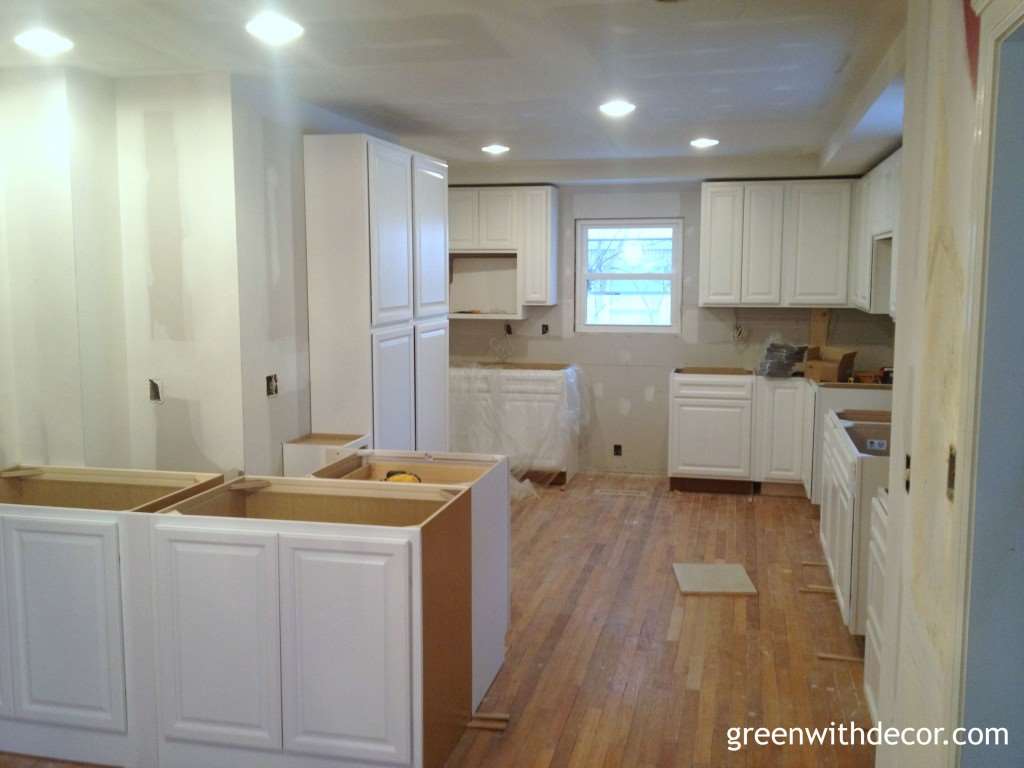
[[829, 363]]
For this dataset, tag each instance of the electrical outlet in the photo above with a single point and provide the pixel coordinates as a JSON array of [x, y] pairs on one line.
[[616, 450], [156, 391], [272, 385], [544, 329]]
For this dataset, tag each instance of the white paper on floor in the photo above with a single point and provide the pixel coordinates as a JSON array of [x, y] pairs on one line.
[[713, 579]]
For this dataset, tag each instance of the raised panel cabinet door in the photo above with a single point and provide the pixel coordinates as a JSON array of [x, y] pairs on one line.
[[860, 246], [762, 243], [538, 254], [430, 236], [432, 386], [711, 438], [843, 537], [807, 463], [721, 244], [780, 424], [497, 227], [346, 647], [534, 430], [817, 243], [219, 663], [64, 597], [463, 219], [6, 694], [391, 278], [394, 389]]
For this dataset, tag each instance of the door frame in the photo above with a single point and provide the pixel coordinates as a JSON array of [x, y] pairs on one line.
[[998, 20]]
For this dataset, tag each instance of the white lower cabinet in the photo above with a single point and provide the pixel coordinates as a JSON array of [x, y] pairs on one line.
[[394, 388], [779, 430], [219, 655], [432, 385], [710, 438], [352, 594], [63, 590]]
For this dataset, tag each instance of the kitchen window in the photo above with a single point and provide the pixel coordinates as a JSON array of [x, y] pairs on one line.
[[628, 275]]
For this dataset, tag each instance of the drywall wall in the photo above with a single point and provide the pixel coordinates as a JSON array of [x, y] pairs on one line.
[[176, 178], [995, 621], [35, 145], [625, 376]]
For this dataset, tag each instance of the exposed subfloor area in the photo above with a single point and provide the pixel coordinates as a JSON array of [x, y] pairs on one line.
[[610, 666]]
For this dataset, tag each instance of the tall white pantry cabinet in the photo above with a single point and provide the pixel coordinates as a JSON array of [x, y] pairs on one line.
[[377, 259]]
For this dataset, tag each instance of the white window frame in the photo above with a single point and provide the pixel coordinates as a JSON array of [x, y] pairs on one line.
[[583, 275]]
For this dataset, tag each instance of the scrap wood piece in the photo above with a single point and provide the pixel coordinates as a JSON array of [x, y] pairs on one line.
[[487, 725], [499, 716], [818, 588], [250, 486], [840, 657], [812, 564], [20, 474]]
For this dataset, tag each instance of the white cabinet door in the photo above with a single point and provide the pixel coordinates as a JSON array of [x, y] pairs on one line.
[[721, 243], [538, 254], [816, 243], [430, 236], [346, 647], [762, 243], [63, 586], [497, 225], [6, 688], [219, 674], [463, 219], [394, 389], [860, 246], [390, 174], [534, 430], [807, 463], [897, 204], [710, 438], [843, 538], [779, 436], [432, 386]]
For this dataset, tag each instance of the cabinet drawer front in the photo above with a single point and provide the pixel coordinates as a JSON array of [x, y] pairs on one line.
[[531, 384], [64, 593], [346, 647], [694, 385]]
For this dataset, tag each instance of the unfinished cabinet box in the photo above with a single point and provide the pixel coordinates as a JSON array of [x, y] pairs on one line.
[[487, 478], [306, 454], [76, 678], [306, 619]]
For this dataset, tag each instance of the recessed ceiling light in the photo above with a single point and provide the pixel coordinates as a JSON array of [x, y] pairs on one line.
[[273, 28], [43, 42], [494, 149], [617, 108], [703, 143]]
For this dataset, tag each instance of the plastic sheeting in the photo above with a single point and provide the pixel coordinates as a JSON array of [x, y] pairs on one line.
[[531, 413]]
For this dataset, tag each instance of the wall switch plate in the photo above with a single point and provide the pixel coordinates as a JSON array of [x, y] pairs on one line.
[[272, 385], [156, 391]]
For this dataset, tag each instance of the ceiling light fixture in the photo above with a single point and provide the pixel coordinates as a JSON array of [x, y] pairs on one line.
[[617, 108], [273, 28], [43, 42], [494, 149], [703, 143]]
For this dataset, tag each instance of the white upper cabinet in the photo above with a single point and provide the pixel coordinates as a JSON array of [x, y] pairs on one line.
[[497, 227], [779, 429], [463, 219], [391, 266], [432, 386], [761, 281], [860, 246], [430, 236], [63, 585], [721, 244], [539, 245], [353, 594], [394, 420], [874, 238], [816, 243]]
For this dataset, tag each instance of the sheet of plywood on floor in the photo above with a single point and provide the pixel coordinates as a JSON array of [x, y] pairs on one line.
[[608, 665]]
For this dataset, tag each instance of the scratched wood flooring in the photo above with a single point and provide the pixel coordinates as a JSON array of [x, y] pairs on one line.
[[610, 666]]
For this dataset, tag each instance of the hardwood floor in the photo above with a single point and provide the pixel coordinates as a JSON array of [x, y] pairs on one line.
[[610, 666]]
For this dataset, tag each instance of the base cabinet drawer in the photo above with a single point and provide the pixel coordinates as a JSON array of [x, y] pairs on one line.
[[710, 438]]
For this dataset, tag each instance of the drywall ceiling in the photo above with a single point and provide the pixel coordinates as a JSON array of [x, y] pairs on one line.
[[767, 77]]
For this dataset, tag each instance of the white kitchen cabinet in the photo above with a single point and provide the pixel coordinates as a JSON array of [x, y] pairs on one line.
[[6, 693], [391, 264], [710, 426], [497, 227], [219, 655], [354, 594], [538, 259], [874, 634], [394, 388], [430, 236], [432, 385], [463, 219], [860, 245], [816, 243], [779, 429], [809, 399], [761, 281], [874, 239], [721, 244], [64, 596]]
